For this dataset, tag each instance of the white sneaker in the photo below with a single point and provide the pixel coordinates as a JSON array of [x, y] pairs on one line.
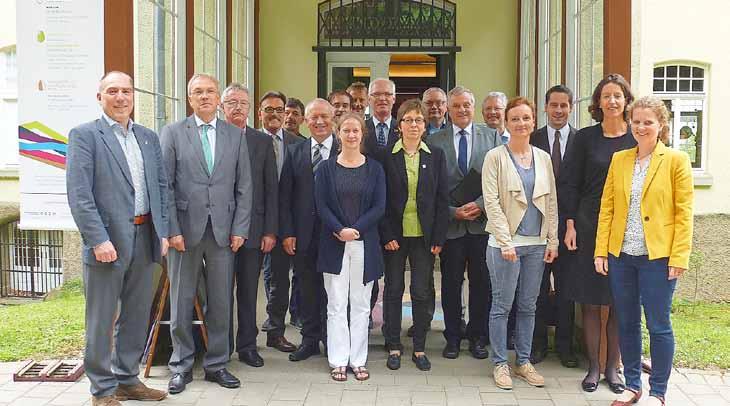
[[502, 377]]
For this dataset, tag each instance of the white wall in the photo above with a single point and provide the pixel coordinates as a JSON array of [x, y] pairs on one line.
[[8, 93], [691, 32]]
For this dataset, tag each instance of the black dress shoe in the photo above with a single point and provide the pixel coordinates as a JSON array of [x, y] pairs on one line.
[[251, 358], [393, 361], [478, 349], [537, 355], [451, 350], [304, 351], [617, 387], [588, 386], [568, 360], [422, 362], [223, 378], [178, 381], [280, 343]]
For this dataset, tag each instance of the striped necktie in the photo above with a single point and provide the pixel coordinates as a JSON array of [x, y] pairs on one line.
[[316, 157], [381, 134]]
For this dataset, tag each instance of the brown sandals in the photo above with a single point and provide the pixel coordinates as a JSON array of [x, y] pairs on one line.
[[361, 373], [339, 374]]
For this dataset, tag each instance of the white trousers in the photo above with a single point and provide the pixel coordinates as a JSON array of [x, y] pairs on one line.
[[348, 346]]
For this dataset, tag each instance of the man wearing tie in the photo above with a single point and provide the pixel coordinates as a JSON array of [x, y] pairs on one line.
[[465, 145], [435, 100], [493, 113], [277, 264], [555, 138], [382, 129], [299, 224], [210, 192], [117, 193]]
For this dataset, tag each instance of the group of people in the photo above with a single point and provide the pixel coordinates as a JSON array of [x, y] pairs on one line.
[[530, 216]]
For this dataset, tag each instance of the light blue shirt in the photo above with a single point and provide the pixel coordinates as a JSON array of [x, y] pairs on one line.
[[133, 154], [469, 137], [211, 132]]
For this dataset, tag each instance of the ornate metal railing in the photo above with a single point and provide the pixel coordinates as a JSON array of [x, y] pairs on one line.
[[386, 23]]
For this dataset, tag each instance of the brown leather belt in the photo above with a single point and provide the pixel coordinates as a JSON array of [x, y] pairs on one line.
[[142, 219]]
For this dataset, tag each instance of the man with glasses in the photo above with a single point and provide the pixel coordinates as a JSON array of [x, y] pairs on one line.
[[264, 222], [435, 100], [493, 112], [341, 101], [277, 264], [210, 191]]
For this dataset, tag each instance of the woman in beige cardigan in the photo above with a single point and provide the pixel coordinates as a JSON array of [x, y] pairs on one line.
[[521, 205]]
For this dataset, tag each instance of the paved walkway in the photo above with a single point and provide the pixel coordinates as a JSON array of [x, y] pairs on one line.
[[462, 382]]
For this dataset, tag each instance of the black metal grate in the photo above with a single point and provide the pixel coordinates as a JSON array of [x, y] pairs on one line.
[[386, 24], [31, 261]]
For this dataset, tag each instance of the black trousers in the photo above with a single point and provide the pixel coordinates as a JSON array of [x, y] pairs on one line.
[[278, 303], [247, 271], [558, 309], [422, 292], [467, 252], [314, 298]]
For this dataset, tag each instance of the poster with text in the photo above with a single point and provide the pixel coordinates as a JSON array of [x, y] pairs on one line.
[[60, 60]]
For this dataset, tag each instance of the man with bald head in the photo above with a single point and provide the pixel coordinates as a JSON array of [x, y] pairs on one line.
[[210, 193], [300, 226], [117, 192]]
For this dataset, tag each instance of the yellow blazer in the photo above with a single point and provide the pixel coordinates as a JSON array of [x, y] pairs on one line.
[[666, 205]]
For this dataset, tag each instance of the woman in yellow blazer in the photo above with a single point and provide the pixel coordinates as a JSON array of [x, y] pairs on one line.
[[643, 243]]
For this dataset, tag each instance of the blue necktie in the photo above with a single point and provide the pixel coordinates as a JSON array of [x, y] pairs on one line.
[[381, 134], [462, 151], [505, 139]]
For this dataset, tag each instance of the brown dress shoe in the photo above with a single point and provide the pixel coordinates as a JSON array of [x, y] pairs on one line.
[[104, 401], [138, 392], [281, 344]]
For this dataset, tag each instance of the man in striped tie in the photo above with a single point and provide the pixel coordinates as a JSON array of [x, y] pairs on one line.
[[210, 192], [299, 225]]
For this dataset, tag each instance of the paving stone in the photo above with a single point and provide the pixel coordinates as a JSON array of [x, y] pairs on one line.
[[536, 402], [696, 379], [691, 389], [358, 397], [569, 399], [715, 380], [504, 398], [290, 392], [532, 393], [70, 399], [710, 400], [7, 396], [436, 398]]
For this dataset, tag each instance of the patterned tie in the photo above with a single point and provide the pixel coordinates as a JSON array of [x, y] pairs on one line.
[[317, 157], [206, 147], [277, 151], [555, 155], [463, 148], [381, 134]]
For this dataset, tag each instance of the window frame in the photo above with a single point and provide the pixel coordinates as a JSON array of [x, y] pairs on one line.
[[572, 56]]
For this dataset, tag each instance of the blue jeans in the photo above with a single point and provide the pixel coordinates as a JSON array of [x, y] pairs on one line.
[[523, 277], [637, 281]]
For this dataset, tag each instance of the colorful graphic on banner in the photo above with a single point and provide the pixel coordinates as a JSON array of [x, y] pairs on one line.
[[61, 50]]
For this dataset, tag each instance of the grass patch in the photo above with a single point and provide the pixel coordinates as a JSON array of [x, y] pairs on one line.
[[50, 329], [701, 334]]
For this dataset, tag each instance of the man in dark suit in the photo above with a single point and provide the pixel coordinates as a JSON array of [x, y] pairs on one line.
[[382, 128], [341, 101], [299, 224], [435, 100], [465, 145], [555, 138], [117, 192], [277, 266], [359, 93], [210, 192], [264, 221], [294, 116]]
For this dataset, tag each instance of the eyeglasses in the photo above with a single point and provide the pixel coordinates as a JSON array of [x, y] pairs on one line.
[[381, 94], [203, 92], [437, 103], [271, 110], [232, 104], [410, 121]]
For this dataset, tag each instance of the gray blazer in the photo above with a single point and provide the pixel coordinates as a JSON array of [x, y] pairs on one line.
[[265, 184], [194, 193], [100, 191], [483, 139]]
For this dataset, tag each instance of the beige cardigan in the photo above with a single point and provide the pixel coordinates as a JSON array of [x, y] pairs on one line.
[[504, 196]]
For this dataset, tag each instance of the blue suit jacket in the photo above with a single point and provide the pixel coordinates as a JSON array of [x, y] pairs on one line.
[[100, 191], [372, 209]]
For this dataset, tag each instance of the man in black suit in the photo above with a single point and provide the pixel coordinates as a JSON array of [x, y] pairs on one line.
[[556, 138], [298, 222], [264, 221], [382, 128], [276, 269], [294, 116], [341, 101]]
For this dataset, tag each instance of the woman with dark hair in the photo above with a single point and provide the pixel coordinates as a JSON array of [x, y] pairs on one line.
[[580, 198], [350, 200], [522, 220], [643, 243], [414, 228]]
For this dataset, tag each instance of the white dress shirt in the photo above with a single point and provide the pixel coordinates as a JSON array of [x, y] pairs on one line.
[[469, 137], [278, 140], [564, 132], [211, 132], [324, 150], [133, 153]]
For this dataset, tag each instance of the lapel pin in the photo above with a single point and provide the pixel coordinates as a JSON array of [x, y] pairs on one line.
[[423, 166]]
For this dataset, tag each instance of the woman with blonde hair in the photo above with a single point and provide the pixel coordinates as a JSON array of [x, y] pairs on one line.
[[643, 243]]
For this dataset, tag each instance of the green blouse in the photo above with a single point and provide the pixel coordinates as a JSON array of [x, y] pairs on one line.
[[411, 224]]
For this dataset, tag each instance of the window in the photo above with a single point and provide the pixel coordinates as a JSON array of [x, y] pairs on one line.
[[682, 87], [241, 66], [584, 50], [8, 68], [209, 41], [527, 49], [550, 51], [158, 53]]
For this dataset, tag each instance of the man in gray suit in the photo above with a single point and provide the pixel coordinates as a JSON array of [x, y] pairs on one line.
[[210, 209], [465, 145], [117, 187]]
